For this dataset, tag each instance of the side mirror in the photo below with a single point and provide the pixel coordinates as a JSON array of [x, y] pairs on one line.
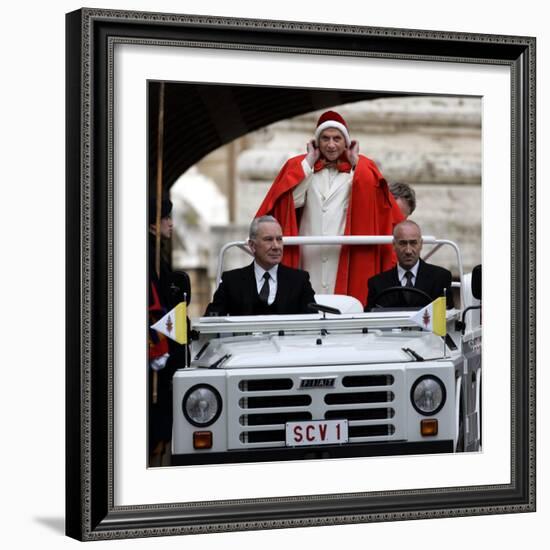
[[180, 284], [476, 282]]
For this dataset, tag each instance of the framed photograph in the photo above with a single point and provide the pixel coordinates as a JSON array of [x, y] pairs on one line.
[[360, 408], [152, 96]]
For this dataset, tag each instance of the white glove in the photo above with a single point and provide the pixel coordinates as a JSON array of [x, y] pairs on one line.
[[159, 362]]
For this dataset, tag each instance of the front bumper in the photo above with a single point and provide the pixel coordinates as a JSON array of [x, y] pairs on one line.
[[394, 448]]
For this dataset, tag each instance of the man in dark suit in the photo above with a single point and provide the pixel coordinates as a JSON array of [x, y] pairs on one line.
[[410, 272], [265, 286]]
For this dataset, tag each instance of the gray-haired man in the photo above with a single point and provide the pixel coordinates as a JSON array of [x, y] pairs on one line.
[[265, 286]]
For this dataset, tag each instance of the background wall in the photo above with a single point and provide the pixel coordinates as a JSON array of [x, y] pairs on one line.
[[32, 218]]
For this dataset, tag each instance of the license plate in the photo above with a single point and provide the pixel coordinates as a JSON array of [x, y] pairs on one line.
[[316, 432]]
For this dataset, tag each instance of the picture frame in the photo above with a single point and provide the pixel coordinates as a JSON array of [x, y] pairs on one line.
[[91, 511]]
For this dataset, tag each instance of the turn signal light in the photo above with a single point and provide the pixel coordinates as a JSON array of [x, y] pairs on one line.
[[202, 440], [428, 427]]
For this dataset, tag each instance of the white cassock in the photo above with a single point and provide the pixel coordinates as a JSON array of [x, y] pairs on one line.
[[325, 198]]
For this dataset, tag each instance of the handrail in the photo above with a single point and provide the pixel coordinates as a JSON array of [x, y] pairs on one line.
[[309, 321]]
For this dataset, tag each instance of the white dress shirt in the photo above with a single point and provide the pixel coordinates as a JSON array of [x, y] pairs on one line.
[[401, 273], [324, 196], [259, 274]]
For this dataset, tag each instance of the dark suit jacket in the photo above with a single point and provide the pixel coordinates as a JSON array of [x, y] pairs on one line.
[[430, 278], [238, 294]]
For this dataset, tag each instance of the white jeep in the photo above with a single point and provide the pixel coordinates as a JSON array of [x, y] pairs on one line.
[[323, 385]]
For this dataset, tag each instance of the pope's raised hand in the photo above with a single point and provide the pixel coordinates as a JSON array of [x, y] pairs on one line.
[[353, 153], [313, 153]]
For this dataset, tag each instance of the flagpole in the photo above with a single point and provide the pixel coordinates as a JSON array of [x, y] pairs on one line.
[[160, 151], [186, 364], [443, 338]]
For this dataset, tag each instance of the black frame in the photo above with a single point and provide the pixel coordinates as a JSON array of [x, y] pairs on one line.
[[90, 510]]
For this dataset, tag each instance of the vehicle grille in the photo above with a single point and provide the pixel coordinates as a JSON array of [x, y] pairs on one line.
[[264, 404]]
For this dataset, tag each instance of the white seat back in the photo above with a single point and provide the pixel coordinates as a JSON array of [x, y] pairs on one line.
[[346, 304]]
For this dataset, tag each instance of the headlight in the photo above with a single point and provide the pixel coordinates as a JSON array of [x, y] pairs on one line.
[[202, 405], [428, 395]]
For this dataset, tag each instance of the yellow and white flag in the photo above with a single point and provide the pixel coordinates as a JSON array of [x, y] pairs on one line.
[[433, 317], [174, 324]]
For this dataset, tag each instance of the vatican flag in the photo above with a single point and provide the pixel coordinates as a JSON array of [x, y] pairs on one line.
[[174, 324], [433, 317]]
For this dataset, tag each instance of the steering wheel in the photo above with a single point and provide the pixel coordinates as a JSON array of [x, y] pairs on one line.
[[411, 289]]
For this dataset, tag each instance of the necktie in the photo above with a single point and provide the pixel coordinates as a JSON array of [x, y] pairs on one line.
[[264, 291], [407, 295]]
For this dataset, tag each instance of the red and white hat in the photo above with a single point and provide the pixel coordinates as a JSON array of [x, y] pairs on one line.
[[331, 119]]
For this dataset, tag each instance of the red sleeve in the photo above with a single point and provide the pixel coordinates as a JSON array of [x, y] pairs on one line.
[[371, 211], [279, 203]]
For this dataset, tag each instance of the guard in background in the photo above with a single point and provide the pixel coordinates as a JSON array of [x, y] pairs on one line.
[[405, 197], [167, 288]]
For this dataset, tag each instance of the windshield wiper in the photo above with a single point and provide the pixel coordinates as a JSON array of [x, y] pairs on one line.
[[413, 353], [219, 361]]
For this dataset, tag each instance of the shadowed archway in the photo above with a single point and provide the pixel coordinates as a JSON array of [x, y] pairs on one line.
[[199, 118]]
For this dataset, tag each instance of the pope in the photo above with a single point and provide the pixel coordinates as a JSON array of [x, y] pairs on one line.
[[334, 190]]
